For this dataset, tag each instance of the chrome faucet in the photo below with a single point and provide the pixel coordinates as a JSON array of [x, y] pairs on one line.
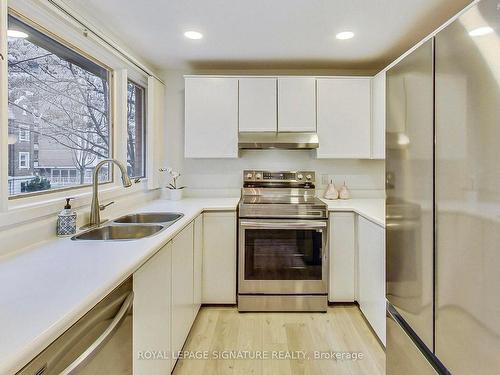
[[95, 207]]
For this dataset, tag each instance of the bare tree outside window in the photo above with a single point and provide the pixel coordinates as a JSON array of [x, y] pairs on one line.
[[135, 129], [62, 100]]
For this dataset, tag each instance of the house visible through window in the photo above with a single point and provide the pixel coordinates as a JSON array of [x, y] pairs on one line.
[[136, 136], [59, 113]]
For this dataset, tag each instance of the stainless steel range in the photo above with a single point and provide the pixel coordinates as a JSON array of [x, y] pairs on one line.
[[282, 243]]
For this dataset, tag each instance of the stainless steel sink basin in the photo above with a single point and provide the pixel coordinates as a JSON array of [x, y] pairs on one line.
[[119, 232], [150, 218]]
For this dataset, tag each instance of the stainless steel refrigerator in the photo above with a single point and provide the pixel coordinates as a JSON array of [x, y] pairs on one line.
[[443, 201]]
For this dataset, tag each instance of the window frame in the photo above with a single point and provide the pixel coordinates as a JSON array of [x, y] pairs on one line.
[[111, 105], [144, 125]]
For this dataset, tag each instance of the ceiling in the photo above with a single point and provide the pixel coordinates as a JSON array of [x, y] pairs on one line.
[[269, 34]]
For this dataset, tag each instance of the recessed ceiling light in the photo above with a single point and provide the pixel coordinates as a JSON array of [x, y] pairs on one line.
[[344, 35], [193, 35], [481, 31], [16, 34]]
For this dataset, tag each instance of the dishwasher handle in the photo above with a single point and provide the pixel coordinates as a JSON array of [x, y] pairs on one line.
[[93, 349]]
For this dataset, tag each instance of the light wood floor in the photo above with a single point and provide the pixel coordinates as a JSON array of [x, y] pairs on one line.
[[341, 329]]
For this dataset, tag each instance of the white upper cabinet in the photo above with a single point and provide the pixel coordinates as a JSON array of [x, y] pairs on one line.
[[348, 113], [211, 117], [257, 104], [344, 117], [297, 104], [378, 116]]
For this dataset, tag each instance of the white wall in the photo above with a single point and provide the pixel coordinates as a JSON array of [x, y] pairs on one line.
[[223, 176]]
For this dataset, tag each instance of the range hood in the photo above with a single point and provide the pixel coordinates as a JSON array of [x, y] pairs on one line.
[[287, 141]]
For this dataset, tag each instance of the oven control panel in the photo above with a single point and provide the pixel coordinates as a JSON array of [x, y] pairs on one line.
[[284, 176]]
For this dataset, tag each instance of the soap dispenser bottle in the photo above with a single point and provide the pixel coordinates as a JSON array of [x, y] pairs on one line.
[[66, 220]]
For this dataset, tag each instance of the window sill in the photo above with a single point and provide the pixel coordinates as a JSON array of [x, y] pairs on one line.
[[20, 210]]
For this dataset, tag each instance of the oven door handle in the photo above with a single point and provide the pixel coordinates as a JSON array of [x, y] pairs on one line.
[[305, 224]]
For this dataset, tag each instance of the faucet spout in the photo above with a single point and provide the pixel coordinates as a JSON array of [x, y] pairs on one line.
[[95, 215], [126, 182]]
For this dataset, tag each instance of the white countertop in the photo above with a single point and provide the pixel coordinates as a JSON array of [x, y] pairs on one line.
[[46, 288], [371, 209]]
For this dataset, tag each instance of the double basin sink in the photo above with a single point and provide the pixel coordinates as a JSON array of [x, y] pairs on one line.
[[131, 227]]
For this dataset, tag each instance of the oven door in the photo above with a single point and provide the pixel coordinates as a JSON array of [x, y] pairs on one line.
[[282, 256]]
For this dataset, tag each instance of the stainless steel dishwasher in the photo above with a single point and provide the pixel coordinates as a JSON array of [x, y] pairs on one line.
[[99, 343]]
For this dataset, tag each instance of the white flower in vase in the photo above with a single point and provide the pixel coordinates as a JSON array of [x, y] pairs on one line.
[[175, 190]]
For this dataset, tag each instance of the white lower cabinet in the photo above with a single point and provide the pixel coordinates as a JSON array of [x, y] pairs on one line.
[[219, 257], [152, 310], [371, 274], [197, 263], [342, 257], [168, 288], [182, 286]]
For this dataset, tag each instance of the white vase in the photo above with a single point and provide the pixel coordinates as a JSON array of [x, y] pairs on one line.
[[331, 192], [344, 192], [176, 194]]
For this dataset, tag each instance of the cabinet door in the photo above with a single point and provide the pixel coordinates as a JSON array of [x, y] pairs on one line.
[[152, 311], [297, 104], [197, 262], [182, 286], [378, 116], [211, 118], [371, 274], [219, 257], [342, 262], [257, 105], [344, 118]]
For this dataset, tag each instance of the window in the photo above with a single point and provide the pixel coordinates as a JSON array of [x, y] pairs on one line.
[[24, 160], [24, 135], [60, 100], [136, 135]]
